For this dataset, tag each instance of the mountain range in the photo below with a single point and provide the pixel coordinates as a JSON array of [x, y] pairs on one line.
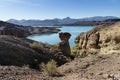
[[57, 21]]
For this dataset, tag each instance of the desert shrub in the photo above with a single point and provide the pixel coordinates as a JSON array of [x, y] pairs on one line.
[[80, 54], [75, 51], [55, 48], [76, 54], [50, 68], [44, 47], [117, 39], [36, 45]]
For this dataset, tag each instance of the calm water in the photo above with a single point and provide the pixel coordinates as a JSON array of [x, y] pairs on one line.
[[54, 38]]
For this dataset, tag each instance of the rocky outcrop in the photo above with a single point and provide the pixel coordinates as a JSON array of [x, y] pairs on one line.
[[17, 51], [102, 37], [14, 31], [88, 40], [40, 30], [22, 31], [64, 44]]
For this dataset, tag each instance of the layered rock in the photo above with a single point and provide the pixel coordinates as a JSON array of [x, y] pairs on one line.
[[100, 37], [88, 40]]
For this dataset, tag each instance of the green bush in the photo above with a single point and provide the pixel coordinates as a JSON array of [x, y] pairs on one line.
[[50, 68]]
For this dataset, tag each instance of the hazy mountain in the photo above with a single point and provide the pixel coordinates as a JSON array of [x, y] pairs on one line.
[[50, 22]]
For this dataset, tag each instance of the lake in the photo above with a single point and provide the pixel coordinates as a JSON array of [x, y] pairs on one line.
[[54, 37]]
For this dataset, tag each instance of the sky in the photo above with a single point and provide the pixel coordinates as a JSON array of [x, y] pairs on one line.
[[49, 9]]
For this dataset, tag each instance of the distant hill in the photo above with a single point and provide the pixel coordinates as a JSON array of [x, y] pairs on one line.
[[21, 31], [57, 21], [93, 23], [12, 29]]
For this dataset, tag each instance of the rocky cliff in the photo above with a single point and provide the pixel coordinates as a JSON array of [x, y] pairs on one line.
[[97, 55], [105, 38]]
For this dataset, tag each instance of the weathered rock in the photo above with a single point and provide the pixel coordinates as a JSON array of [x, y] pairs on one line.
[[14, 31], [17, 51], [88, 40], [64, 44], [103, 37], [93, 41], [21, 31]]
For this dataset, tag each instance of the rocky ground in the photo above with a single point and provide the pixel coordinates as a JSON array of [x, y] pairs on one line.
[[92, 67], [18, 51], [99, 61]]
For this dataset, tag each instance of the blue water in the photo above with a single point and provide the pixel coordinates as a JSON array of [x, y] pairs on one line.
[[54, 38]]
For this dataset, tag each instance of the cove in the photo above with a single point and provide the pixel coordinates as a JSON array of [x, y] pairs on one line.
[[54, 37]]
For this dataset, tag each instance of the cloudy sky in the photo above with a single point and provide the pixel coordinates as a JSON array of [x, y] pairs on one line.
[[48, 9]]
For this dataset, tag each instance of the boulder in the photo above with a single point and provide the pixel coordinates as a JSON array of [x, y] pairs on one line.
[[64, 44], [88, 40]]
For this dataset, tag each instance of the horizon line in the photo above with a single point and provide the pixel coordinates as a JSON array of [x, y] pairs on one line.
[[57, 18]]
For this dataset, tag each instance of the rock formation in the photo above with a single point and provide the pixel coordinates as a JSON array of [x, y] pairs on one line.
[[64, 44], [21, 31], [14, 31], [20, 51], [103, 37], [88, 40]]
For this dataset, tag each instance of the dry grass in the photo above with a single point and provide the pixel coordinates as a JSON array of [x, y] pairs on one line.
[[36, 45], [50, 68]]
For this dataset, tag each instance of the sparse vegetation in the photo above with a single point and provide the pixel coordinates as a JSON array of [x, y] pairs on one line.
[[39, 45], [76, 52], [117, 39], [36, 45], [74, 49], [55, 48], [50, 68]]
